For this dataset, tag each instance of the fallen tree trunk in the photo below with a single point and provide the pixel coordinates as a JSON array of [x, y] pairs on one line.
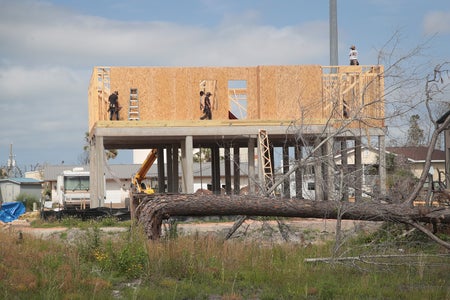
[[153, 209]]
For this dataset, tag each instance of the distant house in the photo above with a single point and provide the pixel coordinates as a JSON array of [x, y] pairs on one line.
[[10, 188], [415, 158], [369, 165]]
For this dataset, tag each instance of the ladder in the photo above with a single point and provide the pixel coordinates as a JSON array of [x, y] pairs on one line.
[[265, 160], [133, 107], [269, 181], [265, 173]]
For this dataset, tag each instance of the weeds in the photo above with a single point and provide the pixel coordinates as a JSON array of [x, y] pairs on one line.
[[39, 269], [73, 222], [97, 266]]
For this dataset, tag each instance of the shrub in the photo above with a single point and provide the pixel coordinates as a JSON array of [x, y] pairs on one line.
[[28, 200]]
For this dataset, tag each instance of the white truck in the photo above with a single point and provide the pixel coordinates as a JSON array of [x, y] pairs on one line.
[[73, 189]]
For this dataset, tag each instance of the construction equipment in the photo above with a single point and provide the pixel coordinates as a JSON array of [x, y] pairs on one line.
[[138, 179]]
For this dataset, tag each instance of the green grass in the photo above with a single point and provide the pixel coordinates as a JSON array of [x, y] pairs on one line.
[[73, 222], [197, 267]]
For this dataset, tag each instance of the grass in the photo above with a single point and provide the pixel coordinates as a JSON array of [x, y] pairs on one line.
[[128, 266], [73, 222]]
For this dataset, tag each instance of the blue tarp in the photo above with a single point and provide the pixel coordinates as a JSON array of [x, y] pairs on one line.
[[10, 211]]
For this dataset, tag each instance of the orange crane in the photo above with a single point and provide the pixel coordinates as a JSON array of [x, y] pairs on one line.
[[138, 179]]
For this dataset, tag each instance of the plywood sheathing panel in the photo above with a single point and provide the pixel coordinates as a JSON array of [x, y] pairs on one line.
[[299, 92], [290, 92]]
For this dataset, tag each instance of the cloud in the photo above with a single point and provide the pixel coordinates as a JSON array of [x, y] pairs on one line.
[[43, 108], [437, 22], [48, 52], [55, 36]]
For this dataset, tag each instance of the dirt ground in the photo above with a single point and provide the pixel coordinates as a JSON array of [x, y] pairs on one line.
[[302, 231]]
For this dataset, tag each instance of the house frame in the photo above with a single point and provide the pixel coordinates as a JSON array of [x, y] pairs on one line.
[[161, 109]]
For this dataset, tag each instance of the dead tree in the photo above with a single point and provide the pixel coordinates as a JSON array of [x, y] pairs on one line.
[[155, 208]]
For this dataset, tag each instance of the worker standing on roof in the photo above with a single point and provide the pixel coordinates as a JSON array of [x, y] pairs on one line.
[[353, 55], [207, 107], [114, 105]]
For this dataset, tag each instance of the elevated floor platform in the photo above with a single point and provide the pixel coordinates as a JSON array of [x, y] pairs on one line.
[[172, 136], [146, 135]]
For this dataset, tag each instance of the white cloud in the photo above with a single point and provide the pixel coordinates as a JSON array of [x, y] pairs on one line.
[[43, 108], [72, 40], [47, 54], [437, 22]]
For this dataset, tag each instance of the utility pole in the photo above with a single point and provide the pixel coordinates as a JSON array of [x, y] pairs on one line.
[[334, 61], [12, 169], [11, 162]]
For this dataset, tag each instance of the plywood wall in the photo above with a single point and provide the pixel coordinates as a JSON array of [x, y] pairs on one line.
[[172, 93]]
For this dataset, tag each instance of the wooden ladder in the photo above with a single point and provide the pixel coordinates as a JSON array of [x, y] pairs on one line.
[[133, 108]]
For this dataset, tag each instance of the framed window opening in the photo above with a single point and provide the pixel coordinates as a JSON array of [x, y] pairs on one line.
[[237, 96]]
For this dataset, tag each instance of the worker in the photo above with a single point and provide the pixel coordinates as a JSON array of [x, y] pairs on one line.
[[353, 55], [202, 100], [114, 105], [207, 107]]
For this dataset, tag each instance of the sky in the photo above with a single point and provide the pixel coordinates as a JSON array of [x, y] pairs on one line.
[[48, 50]]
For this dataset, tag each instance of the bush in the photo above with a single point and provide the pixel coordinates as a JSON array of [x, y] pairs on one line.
[[28, 200]]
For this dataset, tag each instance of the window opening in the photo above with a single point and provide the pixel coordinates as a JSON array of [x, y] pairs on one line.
[[237, 95]]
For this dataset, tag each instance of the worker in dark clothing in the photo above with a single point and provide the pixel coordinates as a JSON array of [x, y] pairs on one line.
[[114, 105], [202, 99], [207, 107]]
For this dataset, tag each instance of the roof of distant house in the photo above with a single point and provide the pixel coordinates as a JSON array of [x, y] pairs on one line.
[[417, 153], [123, 171], [20, 180]]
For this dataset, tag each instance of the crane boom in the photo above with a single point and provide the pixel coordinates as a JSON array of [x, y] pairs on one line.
[[138, 178]]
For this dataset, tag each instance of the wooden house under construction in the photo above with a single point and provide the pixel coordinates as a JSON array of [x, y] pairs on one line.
[[295, 107]]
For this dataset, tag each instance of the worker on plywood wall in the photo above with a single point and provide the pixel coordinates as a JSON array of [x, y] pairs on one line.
[[114, 105], [202, 100], [207, 114]]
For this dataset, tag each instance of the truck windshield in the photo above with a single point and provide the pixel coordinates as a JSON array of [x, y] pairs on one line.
[[76, 183]]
